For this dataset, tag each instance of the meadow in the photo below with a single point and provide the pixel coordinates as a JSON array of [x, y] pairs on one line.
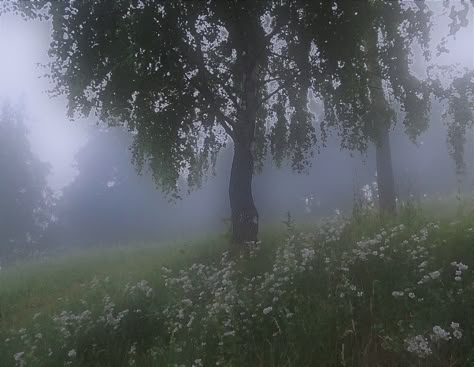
[[354, 290]]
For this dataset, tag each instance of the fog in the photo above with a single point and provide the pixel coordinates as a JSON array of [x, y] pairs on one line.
[[98, 198]]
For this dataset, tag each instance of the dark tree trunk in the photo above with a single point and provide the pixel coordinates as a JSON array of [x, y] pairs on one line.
[[381, 116], [249, 36], [385, 179], [244, 212]]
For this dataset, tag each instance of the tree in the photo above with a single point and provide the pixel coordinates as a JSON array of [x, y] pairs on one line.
[[186, 77], [24, 193], [125, 206], [459, 113], [360, 68]]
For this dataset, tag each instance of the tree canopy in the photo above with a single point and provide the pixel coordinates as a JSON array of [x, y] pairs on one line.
[[173, 72]]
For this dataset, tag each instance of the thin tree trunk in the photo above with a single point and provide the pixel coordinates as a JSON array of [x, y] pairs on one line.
[[244, 212], [466, 177], [385, 178]]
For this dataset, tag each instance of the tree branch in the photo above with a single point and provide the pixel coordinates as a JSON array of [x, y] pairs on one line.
[[226, 122], [226, 127], [281, 87]]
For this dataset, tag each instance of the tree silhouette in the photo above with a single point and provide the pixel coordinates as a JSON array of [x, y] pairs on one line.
[[24, 194]]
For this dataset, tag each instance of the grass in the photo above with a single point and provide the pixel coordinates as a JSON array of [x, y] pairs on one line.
[[364, 291]]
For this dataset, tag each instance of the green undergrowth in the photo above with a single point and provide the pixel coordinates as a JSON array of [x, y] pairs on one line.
[[359, 291]]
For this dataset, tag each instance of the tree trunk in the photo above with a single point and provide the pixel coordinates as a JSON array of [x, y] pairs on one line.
[[385, 178], [244, 212], [381, 116]]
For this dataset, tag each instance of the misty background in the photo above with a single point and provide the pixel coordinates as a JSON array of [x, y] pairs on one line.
[[97, 197]]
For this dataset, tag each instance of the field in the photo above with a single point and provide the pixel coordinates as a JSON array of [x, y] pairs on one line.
[[346, 291]]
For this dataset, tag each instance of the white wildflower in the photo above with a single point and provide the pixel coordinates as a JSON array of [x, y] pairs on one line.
[[419, 345], [72, 353], [20, 362], [440, 334], [457, 333]]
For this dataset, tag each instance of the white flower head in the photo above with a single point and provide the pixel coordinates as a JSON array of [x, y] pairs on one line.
[[457, 334], [440, 333], [419, 345]]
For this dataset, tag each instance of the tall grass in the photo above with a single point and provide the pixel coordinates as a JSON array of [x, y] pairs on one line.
[[364, 291]]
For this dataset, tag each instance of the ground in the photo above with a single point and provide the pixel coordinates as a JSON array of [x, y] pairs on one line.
[[345, 291]]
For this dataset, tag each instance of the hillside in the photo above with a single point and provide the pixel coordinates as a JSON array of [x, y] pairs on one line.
[[343, 292]]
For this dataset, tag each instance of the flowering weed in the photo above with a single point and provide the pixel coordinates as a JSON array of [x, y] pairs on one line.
[[343, 293]]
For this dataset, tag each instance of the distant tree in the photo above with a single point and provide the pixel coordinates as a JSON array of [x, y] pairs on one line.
[[24, 195], [107, 202], [186, 76], [458, 97]]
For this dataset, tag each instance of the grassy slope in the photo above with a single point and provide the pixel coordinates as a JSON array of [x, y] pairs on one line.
[[61, 284], [31, 287]]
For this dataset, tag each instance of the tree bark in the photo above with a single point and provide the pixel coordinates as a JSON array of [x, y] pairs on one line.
[[244, 213], [381, 124], [249, 37], [385, 178]]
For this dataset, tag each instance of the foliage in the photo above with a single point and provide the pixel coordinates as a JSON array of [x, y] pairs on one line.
[[361, 50], [183, 76], [458, 97]]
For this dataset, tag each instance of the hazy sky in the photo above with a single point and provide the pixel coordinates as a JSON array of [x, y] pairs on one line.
[[54, 138]]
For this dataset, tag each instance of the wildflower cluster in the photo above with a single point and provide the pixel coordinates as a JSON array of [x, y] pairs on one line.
[[221, 305], [329, 290]]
